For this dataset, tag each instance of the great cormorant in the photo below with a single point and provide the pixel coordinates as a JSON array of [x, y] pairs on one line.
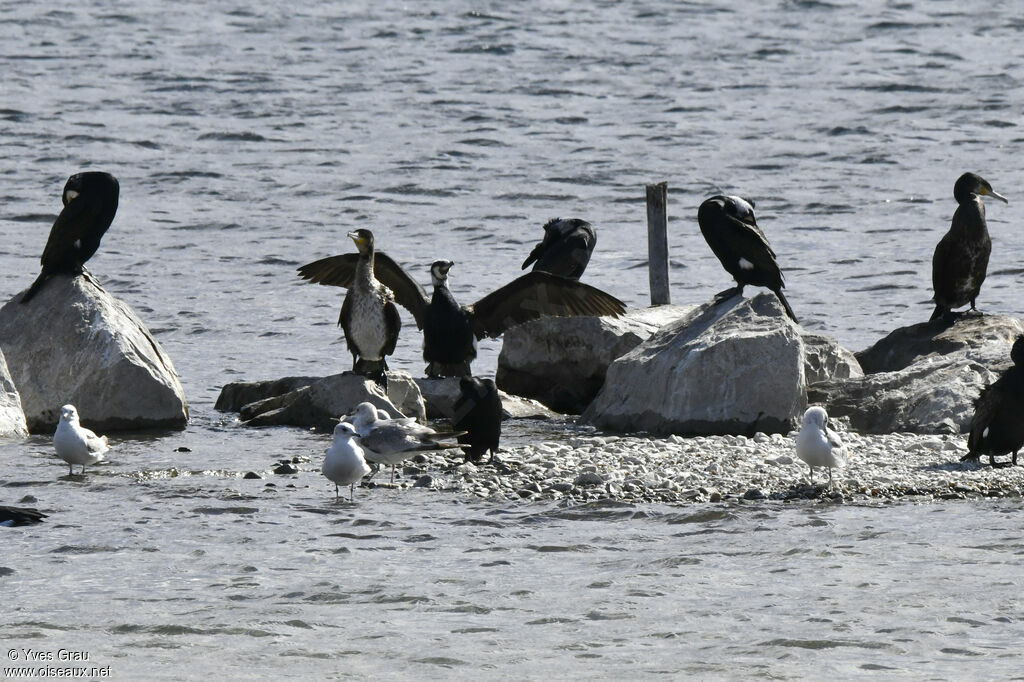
[[450, 330], [960, 261], [565, 249], [997, 427], [478, 412], [20, 516], [369, 317], [729, 228], [90, 202]]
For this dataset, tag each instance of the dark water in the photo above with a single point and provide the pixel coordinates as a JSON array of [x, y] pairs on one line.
[[249, 139]]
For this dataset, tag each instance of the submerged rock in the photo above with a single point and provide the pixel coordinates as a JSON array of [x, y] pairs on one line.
[[736, 366], [925, 377], [12, 418], [318, 402], [75, 343], [561, 361]]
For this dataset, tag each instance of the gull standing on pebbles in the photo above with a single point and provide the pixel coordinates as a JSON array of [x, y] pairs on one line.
[[819, 446], [77, 445], [392, 441], [344, 463]]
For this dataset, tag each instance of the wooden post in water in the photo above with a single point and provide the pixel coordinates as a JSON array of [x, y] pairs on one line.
[[657, 242]]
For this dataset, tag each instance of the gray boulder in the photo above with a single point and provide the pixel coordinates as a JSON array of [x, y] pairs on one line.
[[732, 367], [12, 418], [75, 343], [938, 372], [969, 333], [440, 396], [318, 402], [561, 361], [825, 359]]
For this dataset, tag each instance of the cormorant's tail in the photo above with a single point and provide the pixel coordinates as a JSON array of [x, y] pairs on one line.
[[36, 286], [970, 456], [785, 304], [373, 369], [939, 312]]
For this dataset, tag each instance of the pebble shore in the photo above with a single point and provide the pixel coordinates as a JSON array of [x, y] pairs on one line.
[[678, 470]]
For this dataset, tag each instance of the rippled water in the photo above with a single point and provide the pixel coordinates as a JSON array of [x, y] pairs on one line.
[[249, 139]]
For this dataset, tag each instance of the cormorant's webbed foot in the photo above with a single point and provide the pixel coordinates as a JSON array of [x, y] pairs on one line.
[[728, 293]]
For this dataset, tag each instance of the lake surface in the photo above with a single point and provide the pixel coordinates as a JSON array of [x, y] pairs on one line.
[[249, 138]]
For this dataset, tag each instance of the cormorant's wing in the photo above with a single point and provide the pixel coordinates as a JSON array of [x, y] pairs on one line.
[[340, 271], [985, 409], [69, 227], [539, 294]]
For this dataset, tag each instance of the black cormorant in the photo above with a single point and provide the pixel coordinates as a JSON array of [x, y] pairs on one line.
[[478, 412], [729, 228], [20, 516], [565, 249], [90, 202], [961, 257], [997, 427], [369, 317], [450, 330]]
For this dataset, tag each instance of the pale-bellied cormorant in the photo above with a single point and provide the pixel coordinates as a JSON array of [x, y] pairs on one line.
[[90, 202], [565, 249], [478, 412], [20, 516], [997, 427], [369, 317], [960, 261], [729, 228], [450, 330]]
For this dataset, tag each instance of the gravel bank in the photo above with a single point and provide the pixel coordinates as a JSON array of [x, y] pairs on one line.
[[584, 467]]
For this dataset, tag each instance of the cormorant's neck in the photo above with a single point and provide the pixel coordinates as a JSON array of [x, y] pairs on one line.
[[364, 268], [970, 217]]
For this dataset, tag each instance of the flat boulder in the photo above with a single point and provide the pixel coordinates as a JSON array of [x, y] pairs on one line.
[[729, 367], [925, 377], [12, 417], [75, 343], [312, 402], [970, 332], [561, 361], [825, 359], [440, 396]]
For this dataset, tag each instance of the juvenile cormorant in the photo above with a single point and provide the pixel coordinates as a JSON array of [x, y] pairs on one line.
[[20, 516], [565, 249], [478, 412], [90, 202], [450, 330], [997, 427], [729, 228], [960, 261], [369, 317], [818, 445]]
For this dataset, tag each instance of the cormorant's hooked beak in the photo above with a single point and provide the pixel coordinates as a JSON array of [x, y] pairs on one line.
[[354, 236], [992, 193]]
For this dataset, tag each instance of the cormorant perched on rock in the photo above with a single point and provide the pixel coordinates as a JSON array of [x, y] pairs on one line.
[[565, 249], [369, 317], [450, 330], [997, 427], [960, 261], [478, 412], [20, 516], [729, 228], [90, 202]]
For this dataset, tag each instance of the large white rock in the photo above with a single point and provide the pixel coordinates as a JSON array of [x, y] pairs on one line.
[[732, 367], [314, 402], [934, 374], [561, 361], [75, 343], [12, 417]]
